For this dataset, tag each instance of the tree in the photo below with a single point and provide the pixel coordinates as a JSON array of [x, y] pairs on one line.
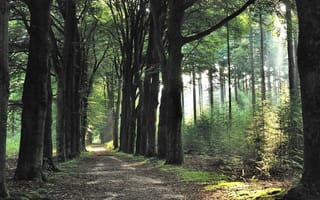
[[173, 83], [262, 71], [253, 84], [35, 94], [293, 81], [131, 34], [4, 92], [308, 64]]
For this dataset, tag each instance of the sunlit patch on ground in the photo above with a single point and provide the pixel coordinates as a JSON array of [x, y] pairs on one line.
[[96, 149], [245, 190]]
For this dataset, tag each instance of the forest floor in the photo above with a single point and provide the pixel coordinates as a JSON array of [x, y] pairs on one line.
[[102, 175]]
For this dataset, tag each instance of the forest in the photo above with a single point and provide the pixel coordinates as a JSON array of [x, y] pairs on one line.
[[170, 99]]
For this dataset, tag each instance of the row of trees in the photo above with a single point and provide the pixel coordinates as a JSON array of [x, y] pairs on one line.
[[147, 41], [63, 50]]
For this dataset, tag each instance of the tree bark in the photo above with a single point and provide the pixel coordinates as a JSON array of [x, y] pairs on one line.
[[253, 81], [262, 71], [71, 65], [48, 162], [229, 76], [194, 94], [222, 85], [211, 89], [35, 94], [293, 85], [174, 84], [4, 92], [158, 11], [116, 118], [308, 63]]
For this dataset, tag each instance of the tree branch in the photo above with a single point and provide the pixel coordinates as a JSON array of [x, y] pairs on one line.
[[218, 25], [189, 3]]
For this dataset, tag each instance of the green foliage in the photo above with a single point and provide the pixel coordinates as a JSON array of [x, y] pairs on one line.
[[97, 110], [290, 121], [265, 138], [214, 135], [13, 143]]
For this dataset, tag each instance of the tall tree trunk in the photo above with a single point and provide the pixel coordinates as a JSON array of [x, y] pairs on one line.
[[141, 141], [116, 118], [222, 85], [174, 84], [308, 63], [48, 161], [151, 134], [35, 94], [150, 97], [124, 128], [60, 124], [253, 82], [229, 75], [158, 10], [236, 83], [4, 92], [71, 65], [262, 72], [211, 89], [194, 95], [293, 85], [200, 94]]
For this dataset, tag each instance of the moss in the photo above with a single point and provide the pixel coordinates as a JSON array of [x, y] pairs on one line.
[[252, 194], [225, 185], [201, 177]]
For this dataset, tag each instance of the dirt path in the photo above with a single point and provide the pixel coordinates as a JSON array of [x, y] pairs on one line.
[[106, 176]]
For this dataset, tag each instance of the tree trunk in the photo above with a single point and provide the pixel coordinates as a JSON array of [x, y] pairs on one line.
[[229, 75], [141, 141], [222, 85], [35, 94], [194, 95], [158, 10], [309, 62], [4, 92], [236, 84], [174, 87], [60, 125], [116, 119], [71, 65], [293, 85], [124, 128], [150, 98], [48, 163], [211, 89], [262, 73], [253, 82]]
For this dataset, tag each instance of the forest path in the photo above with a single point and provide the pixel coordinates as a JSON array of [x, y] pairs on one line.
[[107, 176]]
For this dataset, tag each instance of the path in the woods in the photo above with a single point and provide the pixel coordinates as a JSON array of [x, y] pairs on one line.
[[103, 175], [100, 175]]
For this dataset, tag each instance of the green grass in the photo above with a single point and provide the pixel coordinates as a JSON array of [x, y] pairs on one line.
[[200, 177]]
